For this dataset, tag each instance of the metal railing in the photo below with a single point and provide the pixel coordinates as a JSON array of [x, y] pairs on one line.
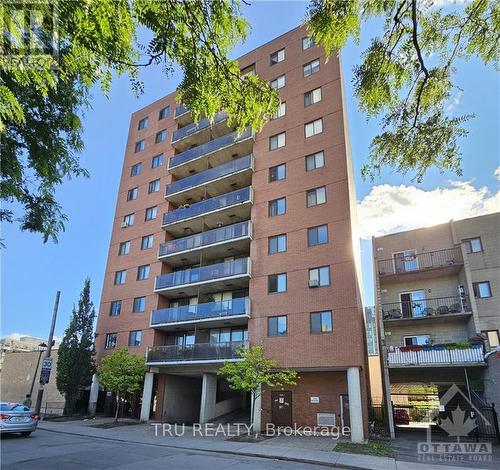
[[180, 110], [195, 127], [210, 237], [429, 356], [209, 147], [212, 272], [206, 176], [226, 308], [420, 261], [208, 205], [194, 352], [425, 307]]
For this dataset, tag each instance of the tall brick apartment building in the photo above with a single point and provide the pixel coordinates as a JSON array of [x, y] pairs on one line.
[[222, 239]]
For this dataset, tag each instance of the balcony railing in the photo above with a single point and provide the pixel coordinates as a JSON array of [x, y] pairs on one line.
[[226, 308], [212, 174], [212, 272], [194, 352], [197, 126], [209, 147], [430, 355], [180, 110], [210, 237], [433, 307], [400, 264], [209, 205]]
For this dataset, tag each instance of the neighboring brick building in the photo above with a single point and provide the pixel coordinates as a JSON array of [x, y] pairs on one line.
[[252, 241]]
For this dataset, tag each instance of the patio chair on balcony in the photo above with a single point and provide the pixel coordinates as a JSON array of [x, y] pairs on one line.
[[455, 308], [428, 312], [443, 310], [394, 313]]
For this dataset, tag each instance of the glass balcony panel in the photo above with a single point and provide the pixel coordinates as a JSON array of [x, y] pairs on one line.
[[180, 110], [197, 126], [195, 352]]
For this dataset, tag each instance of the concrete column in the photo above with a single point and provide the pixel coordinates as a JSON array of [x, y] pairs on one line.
[[355, 404], [94, 395], [208, 397], [257, 414], [147, 392]]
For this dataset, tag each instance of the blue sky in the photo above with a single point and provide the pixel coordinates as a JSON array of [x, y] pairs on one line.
[[32, 271]]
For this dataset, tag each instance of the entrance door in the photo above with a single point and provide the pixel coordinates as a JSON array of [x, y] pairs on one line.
[[344, 411], [405, 261], [281, 408], [413, 304]]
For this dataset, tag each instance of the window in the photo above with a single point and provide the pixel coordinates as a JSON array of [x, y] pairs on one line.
[[278, 82], [143, 123], [418, 340], [163, 113], [493, 338], [321, 322], [147, 242], [319, 277], [277, 244], [110, 341], [124, 248], [314, 161], [134, 338], [276, 283], [136, 169], [278, 56], [277, 141], [277, 326], [312, 97], [277, 207], [143, 272], [481, 289], [317, 235], [307, 43], [157, 161], [277, 172], [132, 194], [316, 196], [248, 71], [161, 136], [311, 67], [313, 128], [115, 308], [154, 186], [473, 245], [120, 277], [128, 220], [139, 146], [281, 111], [139, 305], [228, 335], [151, 213]]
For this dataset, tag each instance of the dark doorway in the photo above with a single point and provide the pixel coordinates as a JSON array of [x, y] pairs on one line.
[[344, 411], [281, 408]]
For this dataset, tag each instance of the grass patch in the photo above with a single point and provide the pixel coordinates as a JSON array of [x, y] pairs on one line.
[[382, 449]]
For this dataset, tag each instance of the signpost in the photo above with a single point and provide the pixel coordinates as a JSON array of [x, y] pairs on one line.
[[45, 372]]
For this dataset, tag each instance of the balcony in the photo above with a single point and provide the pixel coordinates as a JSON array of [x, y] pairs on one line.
[[218, 180], [218, 151], [232, 312], [225, 209], [217, 243], [229, 275], [182, 115], [194, 353]]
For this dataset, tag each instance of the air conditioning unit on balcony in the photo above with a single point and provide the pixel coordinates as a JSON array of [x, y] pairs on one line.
[[124, 225], [313, 282]]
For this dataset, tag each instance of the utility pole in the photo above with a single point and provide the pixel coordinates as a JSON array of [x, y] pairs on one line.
[[47, 354]]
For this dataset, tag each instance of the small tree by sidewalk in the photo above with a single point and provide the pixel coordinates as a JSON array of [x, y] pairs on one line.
[[254, 371], [122, 373]]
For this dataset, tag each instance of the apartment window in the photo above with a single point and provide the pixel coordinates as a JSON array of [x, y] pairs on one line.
[[281, 111], [110, 341], [157, 161], [154, 186], [124, 248], [278, 82], [143, 272], [120, 277], [143, 123], [321, 322], [163, 113], [316, 196], [319, 277], [277, 207], [147, 242], [307, 43], [276, 283], [151, 213], [139, 146], [278, 56], [481, 289], [277, 173], [314, 161], [473, 245], [139, 305], [136, 169], [493, 338], [134, 338], [277, 326], [132, 194], [312, 97], [317, 235], [161, 136], [277, 244], [228, 335], [313, 128], [115, 308], [277, 141], [128, 220], [311, 67], [418, 340]]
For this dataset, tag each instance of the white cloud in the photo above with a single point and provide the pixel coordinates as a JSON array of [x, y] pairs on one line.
[[497, 173]]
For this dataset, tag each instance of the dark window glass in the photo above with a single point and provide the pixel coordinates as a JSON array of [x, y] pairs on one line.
[[277, 207], [139, 304], [277, 244], [277, 326], [321, 322], [163, 112], [136, 169], [277, 172], [277, 283], [115, 308], [317, 235]]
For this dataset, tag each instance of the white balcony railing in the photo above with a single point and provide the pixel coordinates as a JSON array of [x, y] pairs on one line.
[[428, 357]]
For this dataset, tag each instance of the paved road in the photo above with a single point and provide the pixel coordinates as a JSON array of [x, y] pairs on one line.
[[55, 451]]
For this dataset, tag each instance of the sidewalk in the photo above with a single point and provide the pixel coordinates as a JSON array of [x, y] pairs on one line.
[[315, 450]]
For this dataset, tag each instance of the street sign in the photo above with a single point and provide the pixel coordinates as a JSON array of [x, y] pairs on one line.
[[45, 372]]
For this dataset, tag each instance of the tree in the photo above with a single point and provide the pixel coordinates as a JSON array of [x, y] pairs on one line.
[[254, 371], [122, 373], [75, 363]]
